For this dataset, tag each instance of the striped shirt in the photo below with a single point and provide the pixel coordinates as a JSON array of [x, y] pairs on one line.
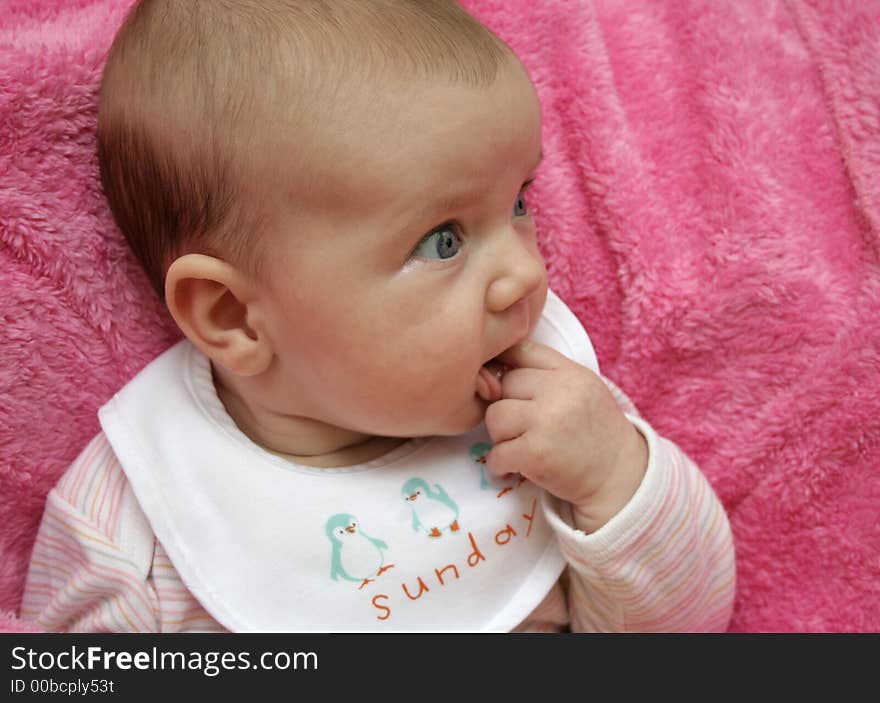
[[664, 563]]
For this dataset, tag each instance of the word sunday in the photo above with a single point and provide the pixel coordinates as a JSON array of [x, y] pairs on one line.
[[448, 575]]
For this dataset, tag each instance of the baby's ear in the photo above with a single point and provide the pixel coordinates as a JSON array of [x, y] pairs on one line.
[[213, 304]]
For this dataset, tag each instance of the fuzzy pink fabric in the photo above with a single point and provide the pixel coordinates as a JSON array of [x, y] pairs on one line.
[[709, 206]]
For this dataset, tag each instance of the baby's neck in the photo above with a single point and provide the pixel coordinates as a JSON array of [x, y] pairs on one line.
[[301, 440]]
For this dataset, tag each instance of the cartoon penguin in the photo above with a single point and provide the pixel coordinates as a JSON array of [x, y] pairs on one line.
[[432, 510], [356, 556], [478, 453]]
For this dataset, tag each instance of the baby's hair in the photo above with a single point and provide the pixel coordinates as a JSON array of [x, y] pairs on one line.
[[189, 84]]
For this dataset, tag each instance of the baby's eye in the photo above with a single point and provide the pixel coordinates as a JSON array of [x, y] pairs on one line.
[[520, 208], [441, 243]]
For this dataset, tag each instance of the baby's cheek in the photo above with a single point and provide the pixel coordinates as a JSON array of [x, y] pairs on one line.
[[414, 373]]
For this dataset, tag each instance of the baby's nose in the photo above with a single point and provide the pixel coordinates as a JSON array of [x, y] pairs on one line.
[[520, 273]]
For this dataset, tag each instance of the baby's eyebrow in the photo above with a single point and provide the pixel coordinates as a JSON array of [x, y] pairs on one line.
[[460, 200], [446, 204]]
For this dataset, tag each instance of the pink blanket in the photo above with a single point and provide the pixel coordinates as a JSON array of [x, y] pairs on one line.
[[709, 207]]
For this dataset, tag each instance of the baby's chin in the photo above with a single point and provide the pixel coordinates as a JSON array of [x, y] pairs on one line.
[[428, 416], [458, 421], [469, 418]]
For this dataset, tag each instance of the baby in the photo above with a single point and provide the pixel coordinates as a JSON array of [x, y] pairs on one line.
[[379, 418]]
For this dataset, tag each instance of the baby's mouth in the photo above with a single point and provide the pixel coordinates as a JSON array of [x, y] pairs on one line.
[[489, 380]]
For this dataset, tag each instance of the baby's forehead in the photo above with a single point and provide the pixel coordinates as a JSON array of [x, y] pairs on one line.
[[385, 141]]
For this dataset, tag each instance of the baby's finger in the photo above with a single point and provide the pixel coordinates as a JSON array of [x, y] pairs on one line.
[[506, 458], [533, 355], [506, 419], [523, 383]]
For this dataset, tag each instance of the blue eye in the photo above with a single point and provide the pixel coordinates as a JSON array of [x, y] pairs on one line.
[[520, 208], [441, 243]]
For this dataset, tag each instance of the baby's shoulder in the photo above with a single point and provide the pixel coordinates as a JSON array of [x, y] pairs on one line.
[[89, 474], [95, 490]]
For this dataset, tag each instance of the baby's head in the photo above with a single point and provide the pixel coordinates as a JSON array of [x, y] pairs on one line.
[[329, 195]]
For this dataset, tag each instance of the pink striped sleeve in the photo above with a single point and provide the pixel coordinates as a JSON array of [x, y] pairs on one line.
[[87, 573], [179, 610], [665, 562]]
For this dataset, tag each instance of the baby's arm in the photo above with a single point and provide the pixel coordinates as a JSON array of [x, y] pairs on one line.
[[664, 562], [90, 564], [647, 539]]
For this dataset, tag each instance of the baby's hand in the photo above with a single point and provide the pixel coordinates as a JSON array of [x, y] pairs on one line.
[[558, 425]]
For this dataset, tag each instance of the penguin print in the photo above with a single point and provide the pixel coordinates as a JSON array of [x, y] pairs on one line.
[[478, 453], [432, 509], [356, 556]]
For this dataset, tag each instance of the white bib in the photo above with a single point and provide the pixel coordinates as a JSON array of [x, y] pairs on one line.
[[418, 540]]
